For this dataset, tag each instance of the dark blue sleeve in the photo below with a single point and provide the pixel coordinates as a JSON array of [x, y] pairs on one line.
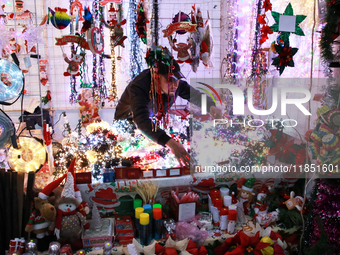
[[187, 92]]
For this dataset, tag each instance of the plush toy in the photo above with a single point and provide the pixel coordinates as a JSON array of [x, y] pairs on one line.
[[69, 223], [83, 207], [245, 195], [73, 64], [265, 219], [44, 212], [294, 202], [260, 206]]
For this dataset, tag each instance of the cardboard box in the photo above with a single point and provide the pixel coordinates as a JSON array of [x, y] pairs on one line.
[[121, 172], [97, 238], [124, 229], [160, 173], [173, 172], [185, 171], [182, 211], [127, 172], [83, 178], [149, 173]]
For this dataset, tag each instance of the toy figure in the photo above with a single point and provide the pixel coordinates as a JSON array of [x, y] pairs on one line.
[[182, 49], [44, 212], [69, 223], [245, 195], [260, 206], [74, 63], [77, 10], [294, 202]]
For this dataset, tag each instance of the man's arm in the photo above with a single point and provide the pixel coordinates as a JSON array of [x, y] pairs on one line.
[[141, 114], [187, 92], [191, 94]]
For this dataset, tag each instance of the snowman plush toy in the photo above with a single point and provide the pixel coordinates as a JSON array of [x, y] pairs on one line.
[[69, 223]]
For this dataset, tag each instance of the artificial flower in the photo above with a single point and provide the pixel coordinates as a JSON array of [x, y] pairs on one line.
[[268, 250], [267, 5], [261, 19], [248, 245]]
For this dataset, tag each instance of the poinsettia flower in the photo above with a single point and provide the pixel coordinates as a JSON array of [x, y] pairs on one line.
[[248, 245], [261, 19], [266, 30], [278, 150], [267, 5], [285, 57], [263, 39]]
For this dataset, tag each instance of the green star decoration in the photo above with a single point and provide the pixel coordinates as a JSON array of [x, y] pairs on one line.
[[288, 11]]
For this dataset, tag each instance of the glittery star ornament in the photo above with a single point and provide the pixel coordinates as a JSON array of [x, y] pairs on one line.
[[33, 35], [5, 37], [288, 12]]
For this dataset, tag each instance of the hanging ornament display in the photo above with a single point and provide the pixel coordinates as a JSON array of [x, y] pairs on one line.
[[95, 40], [89, 108], [77, 11], [181, 25], [104, 2], [11, 81], [141, 22], [43, 65], [73, 63], [46, 98], [285, 57], [117, 35], [287, 23], [59, 18], [88, 20], [6, 36], [32, 35], [29, 157]]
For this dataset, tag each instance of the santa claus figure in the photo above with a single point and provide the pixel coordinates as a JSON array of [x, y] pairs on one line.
[[73, 64], [183, 54]]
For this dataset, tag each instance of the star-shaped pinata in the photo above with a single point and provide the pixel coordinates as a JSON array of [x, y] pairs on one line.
[[288, 12], [6, 35], [32, 35]]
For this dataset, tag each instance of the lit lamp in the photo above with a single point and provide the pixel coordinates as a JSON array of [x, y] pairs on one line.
[[29, 157]]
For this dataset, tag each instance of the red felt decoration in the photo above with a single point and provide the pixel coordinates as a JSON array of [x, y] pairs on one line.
[[261, 19]]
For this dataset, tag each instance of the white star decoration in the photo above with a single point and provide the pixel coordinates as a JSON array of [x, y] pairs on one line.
[[5, 37], [33, 35]]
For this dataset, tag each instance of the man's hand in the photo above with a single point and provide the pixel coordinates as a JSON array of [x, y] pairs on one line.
[[215, 112], [180, 153]]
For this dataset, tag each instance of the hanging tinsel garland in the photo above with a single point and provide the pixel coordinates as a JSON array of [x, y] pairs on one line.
[[98, 71], [155, 23], [330, 31], [136, 65], [74, 94]]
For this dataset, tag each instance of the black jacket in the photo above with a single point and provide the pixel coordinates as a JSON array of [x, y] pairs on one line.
[[135, 102]]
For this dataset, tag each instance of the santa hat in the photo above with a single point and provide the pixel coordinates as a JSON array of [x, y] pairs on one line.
[[44, 194], [77, 193], [112, 9], [19, 3], [249, 184], [68, 190]]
